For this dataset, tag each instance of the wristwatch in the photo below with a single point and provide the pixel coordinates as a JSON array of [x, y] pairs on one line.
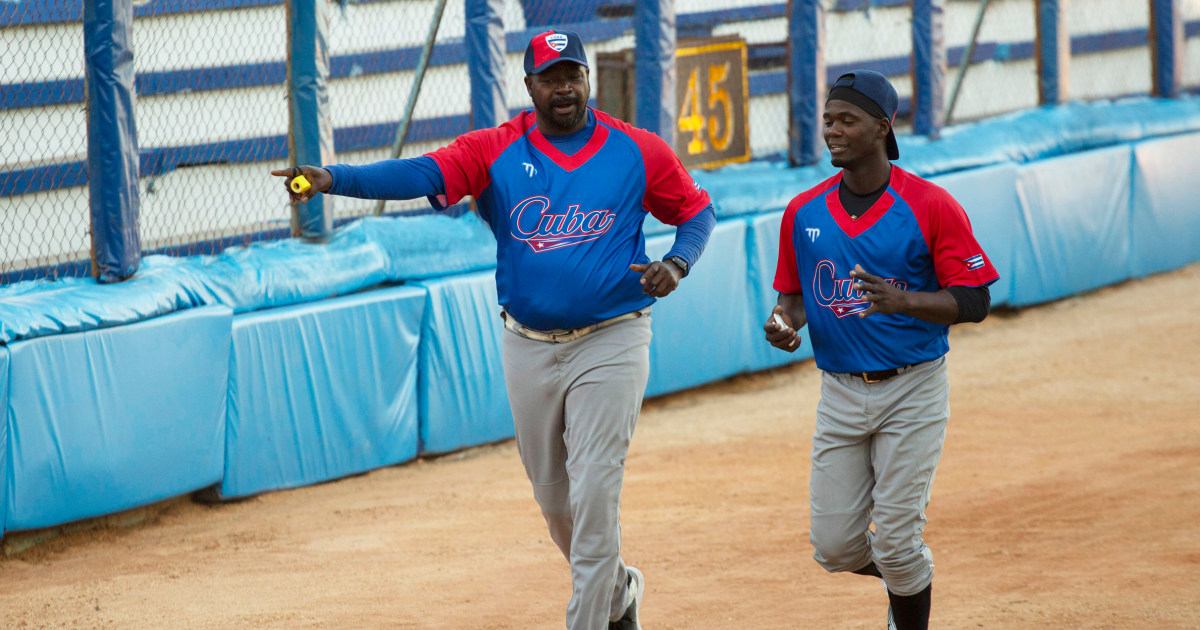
[[678, 261]]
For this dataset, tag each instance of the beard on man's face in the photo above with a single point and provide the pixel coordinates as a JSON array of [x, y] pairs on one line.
[[564, 121]]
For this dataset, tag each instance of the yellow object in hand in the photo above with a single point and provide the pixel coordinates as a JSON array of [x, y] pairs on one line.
[[300, 184]]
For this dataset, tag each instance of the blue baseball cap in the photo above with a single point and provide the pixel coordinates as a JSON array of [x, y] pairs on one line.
[[551, 47], [874, 94]]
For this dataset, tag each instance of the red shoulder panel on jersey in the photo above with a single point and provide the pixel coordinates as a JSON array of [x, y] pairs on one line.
[[957, 256], [672, 195], [465, 162]]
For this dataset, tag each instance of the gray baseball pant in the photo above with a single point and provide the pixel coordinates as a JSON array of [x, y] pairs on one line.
[[575, 406], [875, 452]]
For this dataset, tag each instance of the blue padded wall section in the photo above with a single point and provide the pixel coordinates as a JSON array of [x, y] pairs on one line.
[[699, 330], [3, 436], [110, 419], [989, 196], [1165, 225], [1074, 232], [321, 391], [762, 243], [463, 401]]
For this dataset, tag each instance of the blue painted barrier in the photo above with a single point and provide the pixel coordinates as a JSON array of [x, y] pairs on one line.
[[462, 395], [110, 419], [1165, 223], [322, 391], [3, 435], [762, 245], [1074, 230], [989, 196], [699, 329]]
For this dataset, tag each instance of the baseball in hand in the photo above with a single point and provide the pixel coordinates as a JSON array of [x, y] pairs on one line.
[[782, 326]]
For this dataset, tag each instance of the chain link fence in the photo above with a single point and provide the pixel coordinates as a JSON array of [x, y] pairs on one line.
[[212, 119], [212, 108], [1190, 14], [998, 37], [1110, 49], [375, 52], [44, 218]]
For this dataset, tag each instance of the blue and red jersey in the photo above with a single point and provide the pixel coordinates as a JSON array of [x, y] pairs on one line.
[[568, 226], [916, 237]]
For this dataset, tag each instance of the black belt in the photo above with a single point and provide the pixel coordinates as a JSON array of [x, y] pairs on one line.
[[882, 375]]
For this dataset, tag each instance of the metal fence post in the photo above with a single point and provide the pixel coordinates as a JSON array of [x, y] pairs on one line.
[[485, 62], [1053, 52], [654, 30], [806, 80], [310, 136], [1167, 44], [111, 139], [929, 66]]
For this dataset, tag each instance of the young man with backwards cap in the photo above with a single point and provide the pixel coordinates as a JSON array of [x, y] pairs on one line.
[[565, 189], [879, 263]]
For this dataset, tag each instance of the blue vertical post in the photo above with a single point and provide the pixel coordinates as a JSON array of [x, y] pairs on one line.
[[311, 136], [654, 32], [1166, 30], [1053, 52], [485, 62], [806, 80], [112, 139], [929, 66]]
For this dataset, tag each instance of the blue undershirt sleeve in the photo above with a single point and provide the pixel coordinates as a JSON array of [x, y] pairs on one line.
[[389, 179], [692, 235]]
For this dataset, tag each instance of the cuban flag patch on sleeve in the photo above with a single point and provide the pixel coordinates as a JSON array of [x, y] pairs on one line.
[[974, 262]]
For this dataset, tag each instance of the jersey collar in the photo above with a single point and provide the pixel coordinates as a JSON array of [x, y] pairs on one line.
[[580, 157], [853, 227]]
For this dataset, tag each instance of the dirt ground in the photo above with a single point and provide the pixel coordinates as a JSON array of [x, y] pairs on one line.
[[1068, 496]]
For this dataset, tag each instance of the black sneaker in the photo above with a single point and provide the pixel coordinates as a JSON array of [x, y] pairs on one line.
[[637, 589]]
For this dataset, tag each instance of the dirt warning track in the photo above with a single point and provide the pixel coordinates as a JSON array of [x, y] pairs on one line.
[[1067, 497]]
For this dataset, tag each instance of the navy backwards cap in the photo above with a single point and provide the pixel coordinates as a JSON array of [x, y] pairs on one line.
[[874, 94], [551, 47]]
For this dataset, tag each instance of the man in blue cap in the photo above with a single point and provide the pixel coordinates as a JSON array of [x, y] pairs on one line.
[[879, 263], [565, 189]]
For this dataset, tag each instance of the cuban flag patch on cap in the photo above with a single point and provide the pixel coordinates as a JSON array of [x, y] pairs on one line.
[[974, 262], [556, 41]]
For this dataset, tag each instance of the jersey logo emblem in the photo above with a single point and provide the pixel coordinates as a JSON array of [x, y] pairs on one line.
[[974, 262], [838, 294], [557, 41], [813, 233], [533, 222], [529, 168]]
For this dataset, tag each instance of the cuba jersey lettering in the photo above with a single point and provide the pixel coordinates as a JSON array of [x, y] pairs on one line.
[[567, 227], [915, 237], [534, 221]]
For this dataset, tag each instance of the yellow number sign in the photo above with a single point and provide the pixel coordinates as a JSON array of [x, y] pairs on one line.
[[713, 96]]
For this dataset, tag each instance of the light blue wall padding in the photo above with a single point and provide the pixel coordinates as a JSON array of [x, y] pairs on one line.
[[322, 391], [1074, 232], [762, 244], [699, 330], [3, 436], [363, 254], [372, 251], [989, 196], [1165, 225], [461, 382], [111, 419]]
